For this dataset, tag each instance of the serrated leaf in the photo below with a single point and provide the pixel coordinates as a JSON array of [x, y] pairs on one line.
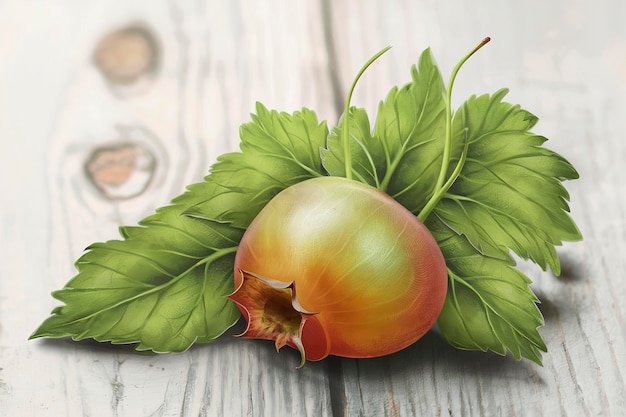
[[402, 156], [509, 194], [489, 305], [508, 197], [164, 286], [278, 150]]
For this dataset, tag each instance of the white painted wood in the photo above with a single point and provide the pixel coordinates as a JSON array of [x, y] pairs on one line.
[[565, 61]]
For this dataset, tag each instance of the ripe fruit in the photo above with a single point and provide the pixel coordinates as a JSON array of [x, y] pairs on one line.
[[334, 266]]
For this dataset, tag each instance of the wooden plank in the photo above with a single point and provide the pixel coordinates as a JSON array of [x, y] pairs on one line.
[[564, 73], [116, 150], [71, 138]]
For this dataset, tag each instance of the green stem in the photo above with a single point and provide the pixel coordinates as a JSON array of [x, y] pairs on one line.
[[345, 131], [442, 185], [430, 205]]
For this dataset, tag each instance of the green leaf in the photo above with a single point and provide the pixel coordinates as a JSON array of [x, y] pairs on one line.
[[402, 156], [489, 305], [278, 150], [164, 286], [509, 195]]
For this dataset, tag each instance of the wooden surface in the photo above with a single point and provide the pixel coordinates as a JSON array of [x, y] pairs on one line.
[[109, 108]]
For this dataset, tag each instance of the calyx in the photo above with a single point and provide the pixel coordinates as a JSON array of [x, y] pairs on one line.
[[272, 311]]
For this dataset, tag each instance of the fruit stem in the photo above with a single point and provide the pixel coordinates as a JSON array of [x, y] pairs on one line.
[[442, 185], [345, 131]]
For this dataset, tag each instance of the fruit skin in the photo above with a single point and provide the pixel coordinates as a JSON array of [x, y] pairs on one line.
[[366, 275]]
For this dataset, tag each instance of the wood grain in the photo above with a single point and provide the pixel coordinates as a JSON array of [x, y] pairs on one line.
[[565, 61]]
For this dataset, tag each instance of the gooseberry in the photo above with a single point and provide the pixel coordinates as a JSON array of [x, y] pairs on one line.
[[334, 266]]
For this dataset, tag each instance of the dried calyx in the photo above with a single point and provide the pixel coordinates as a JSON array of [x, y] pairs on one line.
[[273, 311]]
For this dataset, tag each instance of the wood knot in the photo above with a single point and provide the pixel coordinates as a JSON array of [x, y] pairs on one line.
[[121, 170], [128, 56]]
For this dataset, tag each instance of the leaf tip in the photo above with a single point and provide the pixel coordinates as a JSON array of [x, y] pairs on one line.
[[35, 335]]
